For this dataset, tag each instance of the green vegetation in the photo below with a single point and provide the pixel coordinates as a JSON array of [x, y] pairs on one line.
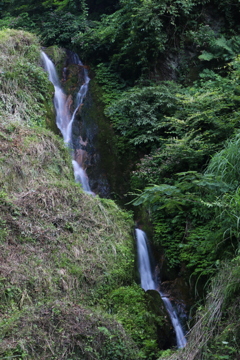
[[174, 127], [63, 252], [55, 21], [166, 78], [25, 89], [170, 79], [134, 309]]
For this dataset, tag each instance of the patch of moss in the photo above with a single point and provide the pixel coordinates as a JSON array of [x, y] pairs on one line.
[[143, 316]]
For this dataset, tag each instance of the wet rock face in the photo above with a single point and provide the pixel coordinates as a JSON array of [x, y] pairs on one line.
[[86, 134], [91, 135], [93, 143], [93, 138], [166, 335], [175, 287], [178, 293]]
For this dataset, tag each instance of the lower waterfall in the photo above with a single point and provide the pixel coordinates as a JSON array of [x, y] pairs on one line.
[[148, 283]]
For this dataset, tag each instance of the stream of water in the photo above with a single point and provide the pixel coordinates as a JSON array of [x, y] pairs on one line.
[[64, 118], [64, 121], [148, 283]]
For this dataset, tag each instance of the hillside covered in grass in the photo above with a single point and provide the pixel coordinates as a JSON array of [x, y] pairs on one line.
[[67, 259]]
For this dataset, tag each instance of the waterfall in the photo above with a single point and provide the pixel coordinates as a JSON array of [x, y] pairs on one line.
[[81, 176], [64, 119], [63, 116], [181, 340], [79, 98], [148, 283], [144, 266]]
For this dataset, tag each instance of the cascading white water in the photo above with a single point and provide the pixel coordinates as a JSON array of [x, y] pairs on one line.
[[148, 283], [81, 176], [62, 113], [144, 266], [64, 119], [79, 99], [181, 340]]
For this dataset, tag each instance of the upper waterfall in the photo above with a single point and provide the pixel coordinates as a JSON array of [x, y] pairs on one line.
[[63, 115], [64, 119]]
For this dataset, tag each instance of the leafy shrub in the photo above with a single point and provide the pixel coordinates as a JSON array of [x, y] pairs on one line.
[[133, 309], [58, 28]]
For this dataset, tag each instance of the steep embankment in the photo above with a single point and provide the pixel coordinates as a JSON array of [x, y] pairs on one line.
[[67, 258], [59, 247]]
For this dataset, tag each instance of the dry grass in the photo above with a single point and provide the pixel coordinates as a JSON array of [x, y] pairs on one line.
[[47, 218], [30, 156], [65, 229], [62, 241]]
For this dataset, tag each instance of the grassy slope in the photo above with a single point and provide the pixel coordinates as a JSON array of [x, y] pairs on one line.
[[60, 249]]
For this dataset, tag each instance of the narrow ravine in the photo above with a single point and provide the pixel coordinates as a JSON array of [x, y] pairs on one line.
[[149, 283], [64, 121]]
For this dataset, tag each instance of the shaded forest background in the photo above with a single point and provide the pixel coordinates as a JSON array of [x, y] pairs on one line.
[[167, 75]]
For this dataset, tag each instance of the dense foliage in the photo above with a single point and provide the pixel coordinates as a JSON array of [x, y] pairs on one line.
[[169, 78], [174, 127]]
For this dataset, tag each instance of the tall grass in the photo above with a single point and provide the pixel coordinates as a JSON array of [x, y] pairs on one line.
[[226, 163]]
